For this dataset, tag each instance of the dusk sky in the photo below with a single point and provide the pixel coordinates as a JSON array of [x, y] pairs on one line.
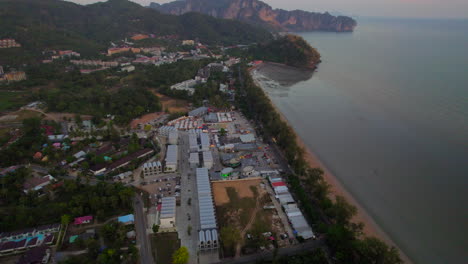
[[382, 8]]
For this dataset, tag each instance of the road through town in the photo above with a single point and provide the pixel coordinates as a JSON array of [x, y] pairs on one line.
[[143, 242]]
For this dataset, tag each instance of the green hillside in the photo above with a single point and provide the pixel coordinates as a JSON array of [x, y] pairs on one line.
[[57, 24]]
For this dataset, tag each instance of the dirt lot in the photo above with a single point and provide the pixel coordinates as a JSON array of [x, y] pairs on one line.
[[145, 119], [242, 188], [245, 206], [173, 105]]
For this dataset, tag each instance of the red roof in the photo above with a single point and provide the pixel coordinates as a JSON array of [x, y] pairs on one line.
[[83, 219], [276, 184], [49, 130]]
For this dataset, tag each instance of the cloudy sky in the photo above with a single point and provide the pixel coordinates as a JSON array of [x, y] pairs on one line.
[[383, 8]]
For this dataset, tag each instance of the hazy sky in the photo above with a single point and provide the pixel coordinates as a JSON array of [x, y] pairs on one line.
[[384, 8]]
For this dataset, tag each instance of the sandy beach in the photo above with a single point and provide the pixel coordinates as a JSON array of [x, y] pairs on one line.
[[268, 73]]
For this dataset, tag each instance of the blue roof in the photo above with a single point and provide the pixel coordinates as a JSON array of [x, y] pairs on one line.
[[126, 218]]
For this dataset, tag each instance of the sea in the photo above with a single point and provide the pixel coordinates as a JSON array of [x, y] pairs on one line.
[[387, 114]]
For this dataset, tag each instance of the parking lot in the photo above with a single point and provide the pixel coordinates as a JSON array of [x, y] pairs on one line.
[[161, 185]]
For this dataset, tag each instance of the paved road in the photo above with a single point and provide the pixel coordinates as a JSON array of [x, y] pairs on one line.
[[143, 242], [309, 245], [188, 191]]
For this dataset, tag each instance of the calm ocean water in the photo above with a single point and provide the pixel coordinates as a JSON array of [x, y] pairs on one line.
[[387, 112]]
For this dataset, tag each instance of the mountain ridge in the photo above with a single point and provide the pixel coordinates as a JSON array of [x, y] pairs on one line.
[[259, 13], [57, 24]]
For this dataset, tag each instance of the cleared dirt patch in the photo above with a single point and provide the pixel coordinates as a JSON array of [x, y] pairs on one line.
[[242, 188], [173, 105], [145, 119]]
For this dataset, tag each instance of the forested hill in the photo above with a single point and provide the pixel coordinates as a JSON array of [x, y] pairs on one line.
[[39, 24], [291, 50]]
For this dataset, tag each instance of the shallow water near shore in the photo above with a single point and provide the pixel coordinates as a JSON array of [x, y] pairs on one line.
[[387, 113]]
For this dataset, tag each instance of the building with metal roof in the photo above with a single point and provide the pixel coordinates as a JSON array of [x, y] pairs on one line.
[[247, 138], [206, 209], [126, 219], [207, 159], [171, 158], [194, 160], [193, 143], [205, 142], [152, 168], [298, 221], [198, 112], [167, 215], [173, 137]]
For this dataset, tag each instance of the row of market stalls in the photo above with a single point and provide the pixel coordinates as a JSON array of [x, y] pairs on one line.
[[298, 222], [208, 233]]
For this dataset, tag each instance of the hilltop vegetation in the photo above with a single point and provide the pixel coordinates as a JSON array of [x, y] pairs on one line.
[[291, 50], [56, 24]]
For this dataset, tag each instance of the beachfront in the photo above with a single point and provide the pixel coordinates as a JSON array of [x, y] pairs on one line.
[[273, 76]]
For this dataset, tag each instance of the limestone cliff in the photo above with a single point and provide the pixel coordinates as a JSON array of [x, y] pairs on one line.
[[259, 13]]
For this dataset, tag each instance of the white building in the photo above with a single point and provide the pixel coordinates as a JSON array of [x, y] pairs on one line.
[[167, 216], [207, 159], [128, 68], [193, 144], [173, 137], [187, 85], [298, 222], [171, 158], [194, 160], [207, 212], [152, 168], [205, 142]]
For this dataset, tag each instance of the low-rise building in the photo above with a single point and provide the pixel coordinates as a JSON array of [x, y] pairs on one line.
[[15, 76], [198, 112], [139, 36], [171, 158], [205, 142], [37, 183], [83, 220], [126, 219], [128, 68], [113, 51], [167, 216], [152, 168], [187, 85], [9, 43], [207, 159], [173, 137], [194, 159], [188, 42]]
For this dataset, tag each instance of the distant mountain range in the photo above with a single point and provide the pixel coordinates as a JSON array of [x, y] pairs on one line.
[[56, 24], [259, 13]]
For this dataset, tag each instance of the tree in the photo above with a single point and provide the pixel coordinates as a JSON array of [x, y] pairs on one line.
[[78, 120], [155, 228], [222, 132], [65, 219], [181, 256], [229, 236], [373, 251]]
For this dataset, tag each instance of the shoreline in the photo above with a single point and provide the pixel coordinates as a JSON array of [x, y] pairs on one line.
[[371, 228]]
